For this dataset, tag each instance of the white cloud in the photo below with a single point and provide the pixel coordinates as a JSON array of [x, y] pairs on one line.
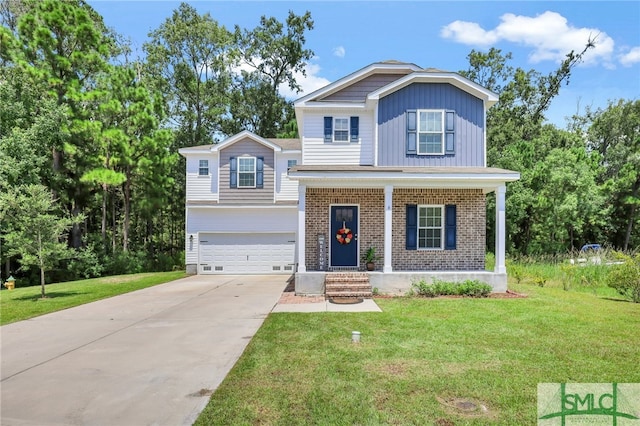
[[549, 34], [631, 57], [309, 83], [339, 52]]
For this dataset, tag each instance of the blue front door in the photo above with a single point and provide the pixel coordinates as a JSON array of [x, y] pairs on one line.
[[344, 236]]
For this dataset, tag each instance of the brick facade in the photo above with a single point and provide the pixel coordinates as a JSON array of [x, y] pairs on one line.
[[371, 227], [471, 226], [470, 238]]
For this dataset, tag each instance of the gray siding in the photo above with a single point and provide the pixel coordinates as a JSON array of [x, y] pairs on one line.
[[469, 125], [246, 148], [359, 91]]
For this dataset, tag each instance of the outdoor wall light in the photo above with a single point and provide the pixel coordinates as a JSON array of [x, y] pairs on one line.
[[191, 238]]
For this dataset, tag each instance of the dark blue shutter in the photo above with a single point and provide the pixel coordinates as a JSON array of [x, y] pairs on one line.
[[260, 172], [450, 227], [355, 129], [233, 172], [449, 134], [412, 227], [328, 129], [412, 132]]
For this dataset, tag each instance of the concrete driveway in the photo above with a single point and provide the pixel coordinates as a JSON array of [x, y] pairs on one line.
[[151, 357]]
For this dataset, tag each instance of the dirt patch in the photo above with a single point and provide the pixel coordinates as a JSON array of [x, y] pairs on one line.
[[202, 392], [466, 407]]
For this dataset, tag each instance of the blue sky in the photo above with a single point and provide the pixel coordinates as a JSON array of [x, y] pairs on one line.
[[350, 35]]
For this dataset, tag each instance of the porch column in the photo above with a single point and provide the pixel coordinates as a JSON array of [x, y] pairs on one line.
[[388, 227], [500, 267], [302, 192]]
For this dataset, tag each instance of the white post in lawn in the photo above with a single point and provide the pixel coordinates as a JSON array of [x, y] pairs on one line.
[[500, 267], [388, 227], [302, 192]]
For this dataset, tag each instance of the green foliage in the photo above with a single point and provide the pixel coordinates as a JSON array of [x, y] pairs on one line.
[[370, 255], [36, 230], [625, 277], [86, 263], [471, 288]]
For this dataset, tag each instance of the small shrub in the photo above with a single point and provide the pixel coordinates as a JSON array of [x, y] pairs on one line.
[[471, 288], [86, 264], [540, 281], [625, 277], [375, 291]]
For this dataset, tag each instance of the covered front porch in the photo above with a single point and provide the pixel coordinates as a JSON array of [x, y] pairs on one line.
[[374, 204]]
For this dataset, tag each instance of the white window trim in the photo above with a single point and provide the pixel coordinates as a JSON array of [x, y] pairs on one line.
[[255, 174], [442, 225], [333, 133], [442, 132], [200, 168]]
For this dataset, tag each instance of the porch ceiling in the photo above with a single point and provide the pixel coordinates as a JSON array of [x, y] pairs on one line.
[[344, 176]]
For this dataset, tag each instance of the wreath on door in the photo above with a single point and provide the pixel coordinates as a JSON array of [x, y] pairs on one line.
[[344, 235]]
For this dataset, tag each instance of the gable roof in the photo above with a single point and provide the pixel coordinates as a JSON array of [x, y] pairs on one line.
[[407, 74], [388, 67], [273, 143]]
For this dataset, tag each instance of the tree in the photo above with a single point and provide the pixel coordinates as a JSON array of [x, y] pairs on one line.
[[189, 59], [35, 230], [615, 134], [517, 138], [273, 52], [62, 45]]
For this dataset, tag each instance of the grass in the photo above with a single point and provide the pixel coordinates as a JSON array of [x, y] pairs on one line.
[[419, 355], [25, 302]]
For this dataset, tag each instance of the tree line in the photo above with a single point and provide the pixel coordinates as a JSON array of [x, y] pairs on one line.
[[98, 126]]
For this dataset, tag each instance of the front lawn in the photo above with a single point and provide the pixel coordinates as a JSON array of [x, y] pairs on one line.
[[421, 357], [23, 303]]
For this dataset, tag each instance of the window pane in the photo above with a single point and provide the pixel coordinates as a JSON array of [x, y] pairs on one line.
[[246, 179], [246, 164], [342, 124], [430, 121], [203, 167], [341, 135]]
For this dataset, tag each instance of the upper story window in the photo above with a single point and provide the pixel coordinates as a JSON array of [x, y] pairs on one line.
[[430, 132], [291, 163], [203, 168], [246, 172], [430, 129], [430, 227], [341, 129]]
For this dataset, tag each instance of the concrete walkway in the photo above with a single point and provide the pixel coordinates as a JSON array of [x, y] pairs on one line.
[[151, 357]]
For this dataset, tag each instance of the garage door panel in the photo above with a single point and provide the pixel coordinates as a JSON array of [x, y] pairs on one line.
[[247, 253]]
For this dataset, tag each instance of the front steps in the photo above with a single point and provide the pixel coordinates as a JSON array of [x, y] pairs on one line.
[[347, 284]]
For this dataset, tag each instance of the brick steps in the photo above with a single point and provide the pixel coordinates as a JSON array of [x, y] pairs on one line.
[[347, 284]]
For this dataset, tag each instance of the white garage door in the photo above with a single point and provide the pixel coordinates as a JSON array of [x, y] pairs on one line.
[[246, 253]]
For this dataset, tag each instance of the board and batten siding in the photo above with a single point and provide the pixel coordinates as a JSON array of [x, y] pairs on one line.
[[469, 125], [226, 220], [358, 91], [202, 187], [286, 189], [247, 148], [316, 151]]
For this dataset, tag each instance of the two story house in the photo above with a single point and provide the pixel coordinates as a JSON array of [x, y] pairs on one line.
[[392, 156]]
